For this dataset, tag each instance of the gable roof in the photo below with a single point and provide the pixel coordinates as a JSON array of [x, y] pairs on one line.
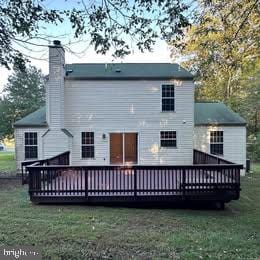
[[124, 71], [37, 118], [204, 114], [216, 114]]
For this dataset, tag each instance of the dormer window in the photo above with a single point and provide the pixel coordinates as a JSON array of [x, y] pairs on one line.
[[168, 102]]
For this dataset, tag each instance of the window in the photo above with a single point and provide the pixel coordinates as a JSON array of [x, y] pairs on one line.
[[216, 142], [168, 139], [168, 98], [31, 145], [87, 145]]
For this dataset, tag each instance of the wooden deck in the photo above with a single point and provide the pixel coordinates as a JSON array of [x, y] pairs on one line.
[[64, 183]]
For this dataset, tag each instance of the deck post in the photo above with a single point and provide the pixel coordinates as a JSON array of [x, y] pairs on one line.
[[183, 182], [30, 183], [135, 184], [23, 181], [86, 182]]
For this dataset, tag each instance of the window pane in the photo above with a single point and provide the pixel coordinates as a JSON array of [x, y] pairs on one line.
[[216, 137], [216, 142], [31, 149], [168, 143], [216, 149], [168, 139], [30, 138], [31, 152], [88, 151], [168, 91], [168, 104], [87, 137]]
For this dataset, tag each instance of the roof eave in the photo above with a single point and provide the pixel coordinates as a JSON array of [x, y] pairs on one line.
[[30, 125], [220, 124], [127, 78]]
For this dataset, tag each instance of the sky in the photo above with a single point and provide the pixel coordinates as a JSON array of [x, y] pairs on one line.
[[83, 53], [161, 53]]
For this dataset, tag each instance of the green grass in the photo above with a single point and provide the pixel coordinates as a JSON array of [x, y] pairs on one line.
[[255, 167], [81, 232], [7, 162]]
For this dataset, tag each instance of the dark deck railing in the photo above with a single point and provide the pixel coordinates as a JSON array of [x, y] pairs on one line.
[[200, 157], [60, 159], [92, 183]]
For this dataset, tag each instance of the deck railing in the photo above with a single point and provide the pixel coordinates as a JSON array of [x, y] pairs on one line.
[[200, 157], [214, 182], [60, 159]]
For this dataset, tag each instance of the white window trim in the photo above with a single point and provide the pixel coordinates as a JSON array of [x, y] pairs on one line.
[[31, 145], [168, 147], [216, 142], [88, 158], [161, 98]]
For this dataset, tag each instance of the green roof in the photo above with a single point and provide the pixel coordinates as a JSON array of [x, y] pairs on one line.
[[204, 114], [117, 71], [216, 114], [37, 118]]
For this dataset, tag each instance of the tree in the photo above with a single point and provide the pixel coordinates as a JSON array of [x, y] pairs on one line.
[[222, 48], [248, 102], [23, 94], [107, 22], [222, 44]]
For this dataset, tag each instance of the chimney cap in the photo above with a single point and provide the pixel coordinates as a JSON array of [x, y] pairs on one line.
[[56, 43]]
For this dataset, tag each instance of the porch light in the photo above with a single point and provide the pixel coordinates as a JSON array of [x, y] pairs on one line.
[[103, 136]]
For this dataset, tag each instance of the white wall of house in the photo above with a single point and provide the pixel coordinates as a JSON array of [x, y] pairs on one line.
[[129, 106], [55, 142], [234, 141], [20, 143]]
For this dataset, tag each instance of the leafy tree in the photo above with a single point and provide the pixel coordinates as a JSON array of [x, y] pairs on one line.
[[107, 22], [223, 48], [247, 103], [23, 94]]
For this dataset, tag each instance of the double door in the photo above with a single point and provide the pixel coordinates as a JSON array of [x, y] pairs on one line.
[[123, 148]]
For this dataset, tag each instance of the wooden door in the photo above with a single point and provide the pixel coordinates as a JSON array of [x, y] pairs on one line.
[[116, 148], [130, 148], [123, 148]]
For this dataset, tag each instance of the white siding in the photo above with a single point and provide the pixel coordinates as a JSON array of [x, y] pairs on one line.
[[234, 141], [19, 143], [54, 143], [55, 88], [129, 106]]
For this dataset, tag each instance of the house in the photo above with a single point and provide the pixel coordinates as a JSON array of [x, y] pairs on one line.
[[126, 114]]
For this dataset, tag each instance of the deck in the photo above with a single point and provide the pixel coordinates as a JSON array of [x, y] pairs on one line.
[[53, 181]]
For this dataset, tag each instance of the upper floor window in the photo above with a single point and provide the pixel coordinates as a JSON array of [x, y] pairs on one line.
[[30, 145], [216, 142], [168, 103], [168, 139], [87, 145]]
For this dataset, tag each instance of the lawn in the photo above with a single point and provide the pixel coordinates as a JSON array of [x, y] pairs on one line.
[[7, 163], [81, 232]]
